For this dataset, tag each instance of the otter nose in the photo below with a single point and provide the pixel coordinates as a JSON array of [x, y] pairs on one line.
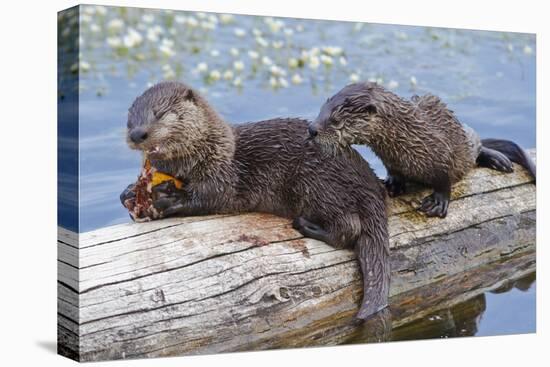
[[138, 135], [312, 130]]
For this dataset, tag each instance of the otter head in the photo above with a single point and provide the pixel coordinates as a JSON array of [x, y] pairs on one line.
[[346, 118], [169, 120]]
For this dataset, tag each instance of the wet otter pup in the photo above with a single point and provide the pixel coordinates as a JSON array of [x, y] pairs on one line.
[[419, 140], [268, 166]]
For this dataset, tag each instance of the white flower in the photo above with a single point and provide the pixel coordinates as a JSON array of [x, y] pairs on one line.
[[148, 18], [94, 28], [115, 24], [401, 35], [283, 83], [510, 47], [168, 42], [152, 35], [299, 28], [297, 79], [527, 50], [201, 15], [253, 55], [215, 75], [358, 26], [85, 18], [132, 38], [114, 42], [393, 84], [239, 32], [238, 65], [293, 62], [262, 42], [202, 67], [180, 19], [226, 18], [256, 32], [413, 81], [277, 71], [234, 52], [343, 61], [238, 82], [84, 66], [166, 50], [354, 78], [288, 31], [168, 72], [314, 62], [88, 10], [274, 24], [277, 44], [208, 25], [228, 75], [314, 51], [101, 10], [266, 61], [327, 60], [192, 22], [214, 53], [273, 82], [333, 50], [212, 18]]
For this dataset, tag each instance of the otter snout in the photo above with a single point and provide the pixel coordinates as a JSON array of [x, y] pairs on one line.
[[312, 130], [138, 135]]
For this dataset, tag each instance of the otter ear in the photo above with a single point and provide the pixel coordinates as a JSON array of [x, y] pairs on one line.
[[188, 95]]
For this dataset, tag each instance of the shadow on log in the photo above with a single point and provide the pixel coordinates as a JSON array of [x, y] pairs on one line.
[[249, 282]]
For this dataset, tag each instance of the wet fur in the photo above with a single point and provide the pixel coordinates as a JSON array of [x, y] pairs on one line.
[[268, 166]]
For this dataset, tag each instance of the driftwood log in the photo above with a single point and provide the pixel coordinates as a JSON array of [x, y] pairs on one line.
[[248, 282]]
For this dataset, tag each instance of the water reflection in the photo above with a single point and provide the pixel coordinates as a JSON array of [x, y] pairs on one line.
[[466, 318]]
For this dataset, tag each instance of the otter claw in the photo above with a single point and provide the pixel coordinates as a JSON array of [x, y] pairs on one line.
[[127, 194], [435, 205]]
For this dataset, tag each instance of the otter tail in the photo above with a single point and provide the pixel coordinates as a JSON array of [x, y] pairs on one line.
[[496, 154], [373, 255]]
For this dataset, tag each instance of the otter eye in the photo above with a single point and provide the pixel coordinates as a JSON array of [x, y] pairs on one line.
[[158, 113], [337, 124]]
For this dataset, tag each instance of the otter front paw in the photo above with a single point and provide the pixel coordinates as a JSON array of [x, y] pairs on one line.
[[435, 205], [128, 194], [395, 185], [168, 200]]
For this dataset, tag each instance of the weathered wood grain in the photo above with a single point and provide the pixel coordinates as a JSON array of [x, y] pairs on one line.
[[227, 283]]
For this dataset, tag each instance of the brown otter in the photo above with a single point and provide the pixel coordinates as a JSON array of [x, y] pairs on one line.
[[419, 140], [269, 166]]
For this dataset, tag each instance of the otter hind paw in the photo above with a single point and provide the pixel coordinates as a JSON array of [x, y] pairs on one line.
[[311, 230], [496, 160], [435, 205]]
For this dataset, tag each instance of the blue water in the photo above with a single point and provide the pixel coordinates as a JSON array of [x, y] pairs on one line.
[[487, 78]]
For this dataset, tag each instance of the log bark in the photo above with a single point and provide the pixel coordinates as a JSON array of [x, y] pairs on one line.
[[226, 283]]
